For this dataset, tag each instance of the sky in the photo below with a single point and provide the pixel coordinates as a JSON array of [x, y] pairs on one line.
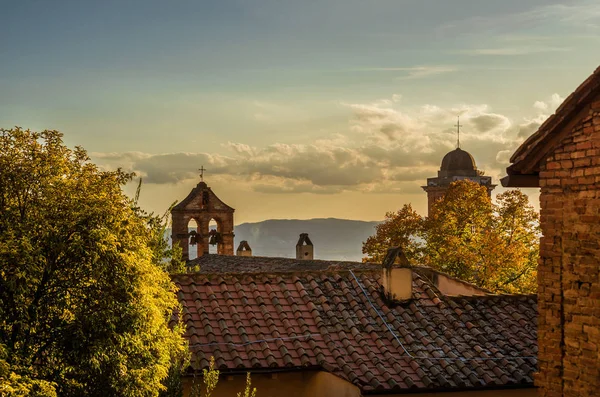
[[297, 109]]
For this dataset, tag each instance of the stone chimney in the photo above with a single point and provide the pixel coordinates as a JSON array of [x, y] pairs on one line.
[[244, 249], [304, 248], [397, 276]]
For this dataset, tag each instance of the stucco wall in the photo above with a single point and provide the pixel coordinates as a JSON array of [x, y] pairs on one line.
[[324, 384], [569, 267], [488, 393], [287, 384], [397, 283], [451, 287]]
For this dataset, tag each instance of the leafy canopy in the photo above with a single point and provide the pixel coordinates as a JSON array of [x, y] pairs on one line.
[[401, 228], [494, 246], [84, 298]]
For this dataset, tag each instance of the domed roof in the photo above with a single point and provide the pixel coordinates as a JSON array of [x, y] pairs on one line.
[[458, 160]]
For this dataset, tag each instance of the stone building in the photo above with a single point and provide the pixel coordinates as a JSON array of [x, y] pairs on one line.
[[202, 205], [563, 159], [456, 165]]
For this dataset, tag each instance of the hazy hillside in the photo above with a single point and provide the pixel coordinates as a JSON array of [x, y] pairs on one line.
[[332, 238]]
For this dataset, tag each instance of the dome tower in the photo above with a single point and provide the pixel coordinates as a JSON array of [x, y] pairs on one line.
[[456, 165]]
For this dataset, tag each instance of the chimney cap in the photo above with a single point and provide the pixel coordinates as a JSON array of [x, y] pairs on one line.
[[244, 246], [304, 240], [395, 255]]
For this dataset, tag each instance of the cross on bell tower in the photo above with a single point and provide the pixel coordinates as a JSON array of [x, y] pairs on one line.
[[202, 169]]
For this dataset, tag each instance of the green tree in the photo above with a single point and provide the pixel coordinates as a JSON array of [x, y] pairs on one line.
[[166, 256], [401, 228], [19, 384], [85, 302]]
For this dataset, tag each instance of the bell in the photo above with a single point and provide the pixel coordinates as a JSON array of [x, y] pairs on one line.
[[193, 238], [215, 237]]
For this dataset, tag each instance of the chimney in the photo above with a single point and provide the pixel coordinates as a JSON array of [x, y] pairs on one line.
[[304, 248], [244, 249], [397, 276]]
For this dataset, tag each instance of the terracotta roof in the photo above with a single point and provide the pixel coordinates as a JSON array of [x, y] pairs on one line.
[[211, 263], [329, 318], [527, 157], [196, 194]]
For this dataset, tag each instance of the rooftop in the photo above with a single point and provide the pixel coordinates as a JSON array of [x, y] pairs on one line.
[[274, 314], [526, 159]]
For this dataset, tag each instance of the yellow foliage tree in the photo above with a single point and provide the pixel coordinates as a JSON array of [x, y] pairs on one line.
[[494, 246], [400, 228]]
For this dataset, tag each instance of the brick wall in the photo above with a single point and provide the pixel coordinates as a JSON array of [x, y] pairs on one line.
[[434, 194], [569, 268]]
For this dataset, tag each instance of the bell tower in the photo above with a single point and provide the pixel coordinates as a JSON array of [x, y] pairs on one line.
[[202, 206]]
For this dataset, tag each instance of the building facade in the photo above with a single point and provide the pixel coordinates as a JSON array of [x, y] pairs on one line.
[[563, 159], [202, 205]]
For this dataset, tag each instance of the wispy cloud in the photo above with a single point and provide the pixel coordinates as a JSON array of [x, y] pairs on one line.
[[415, 72], [578, 14], [512, 51], [428, 71]]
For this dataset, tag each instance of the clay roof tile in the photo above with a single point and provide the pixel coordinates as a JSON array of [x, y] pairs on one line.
[[312, 316]]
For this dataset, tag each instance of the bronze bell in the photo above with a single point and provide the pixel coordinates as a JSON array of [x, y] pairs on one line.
[[215, 237], [193, 238]]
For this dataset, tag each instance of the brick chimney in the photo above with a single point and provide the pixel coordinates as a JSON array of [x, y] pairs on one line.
[[396, 276], [304, 248], [244, 249]]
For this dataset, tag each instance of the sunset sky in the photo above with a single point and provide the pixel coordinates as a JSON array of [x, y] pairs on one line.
[[298, 109]]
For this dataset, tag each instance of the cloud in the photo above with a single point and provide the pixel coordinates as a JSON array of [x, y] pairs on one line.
[[394, 148], [512, 51], [529, 126], [415, 72], [161, 168], [286, 186], [427, 71], [488, 122], [580, 15], [550, 105]]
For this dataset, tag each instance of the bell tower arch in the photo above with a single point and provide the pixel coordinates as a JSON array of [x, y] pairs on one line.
[[202, 205]]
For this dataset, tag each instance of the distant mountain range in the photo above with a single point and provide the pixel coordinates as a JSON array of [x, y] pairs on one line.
[[333, 239]]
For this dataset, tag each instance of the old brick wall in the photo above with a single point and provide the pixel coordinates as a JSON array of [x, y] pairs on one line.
[[569, 268], [202, 205], [434, 194]]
